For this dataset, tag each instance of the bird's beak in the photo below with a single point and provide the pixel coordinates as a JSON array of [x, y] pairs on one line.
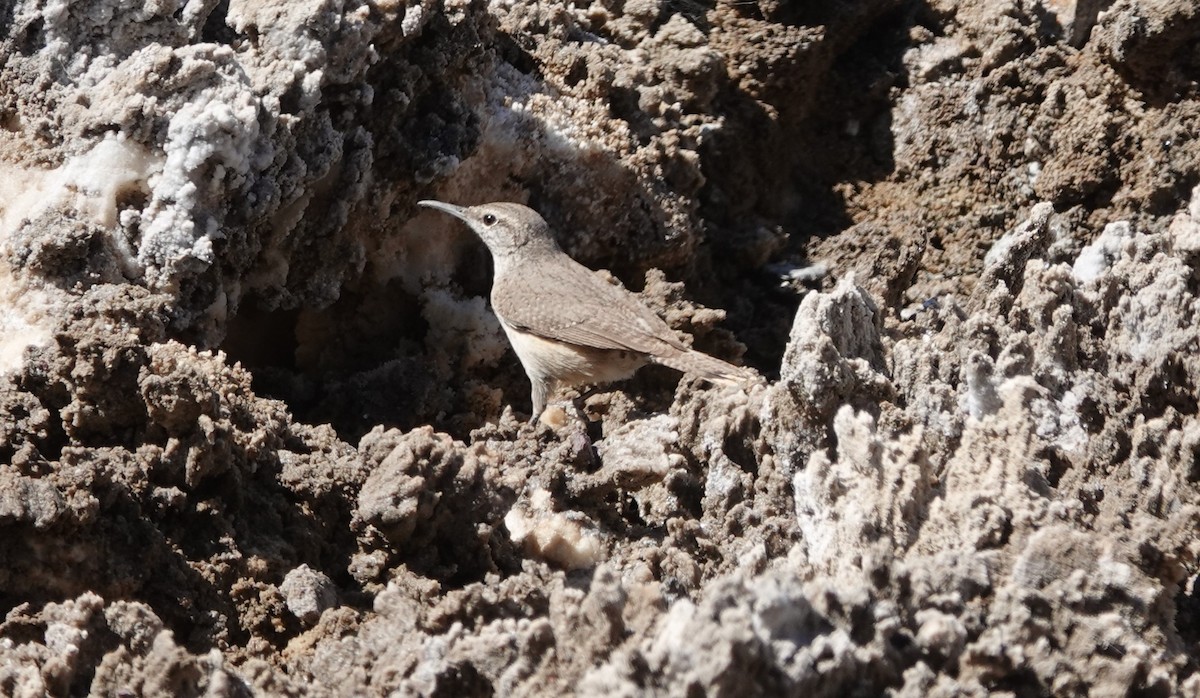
[[456, 211]]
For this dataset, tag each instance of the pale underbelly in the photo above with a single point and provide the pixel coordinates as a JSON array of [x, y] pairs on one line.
[[568, 364]]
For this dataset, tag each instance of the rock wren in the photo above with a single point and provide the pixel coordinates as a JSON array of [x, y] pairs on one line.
[[568, 326]]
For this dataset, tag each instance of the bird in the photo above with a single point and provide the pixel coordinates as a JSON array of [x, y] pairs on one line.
[[568, 326]]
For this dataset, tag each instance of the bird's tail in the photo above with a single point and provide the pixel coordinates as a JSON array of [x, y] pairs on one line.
[[710, 368]]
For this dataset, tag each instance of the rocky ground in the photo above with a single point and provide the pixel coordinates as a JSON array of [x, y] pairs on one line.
[[262, 436]]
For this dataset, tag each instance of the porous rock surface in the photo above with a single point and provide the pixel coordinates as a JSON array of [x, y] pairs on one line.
[[261, 436]]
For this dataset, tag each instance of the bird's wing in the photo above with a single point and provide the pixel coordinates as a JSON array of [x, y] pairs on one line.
[[570, 303]]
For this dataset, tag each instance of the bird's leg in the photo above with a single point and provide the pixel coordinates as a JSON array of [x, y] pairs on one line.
[[588, 392], [540, 389]]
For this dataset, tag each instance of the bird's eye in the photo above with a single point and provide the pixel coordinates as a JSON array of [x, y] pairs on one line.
[[488, 219]]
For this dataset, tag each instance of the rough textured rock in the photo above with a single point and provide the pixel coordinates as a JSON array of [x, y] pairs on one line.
[[260, 434]]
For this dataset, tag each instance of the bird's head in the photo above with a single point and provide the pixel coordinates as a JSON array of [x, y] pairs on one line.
[[506, 228]]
